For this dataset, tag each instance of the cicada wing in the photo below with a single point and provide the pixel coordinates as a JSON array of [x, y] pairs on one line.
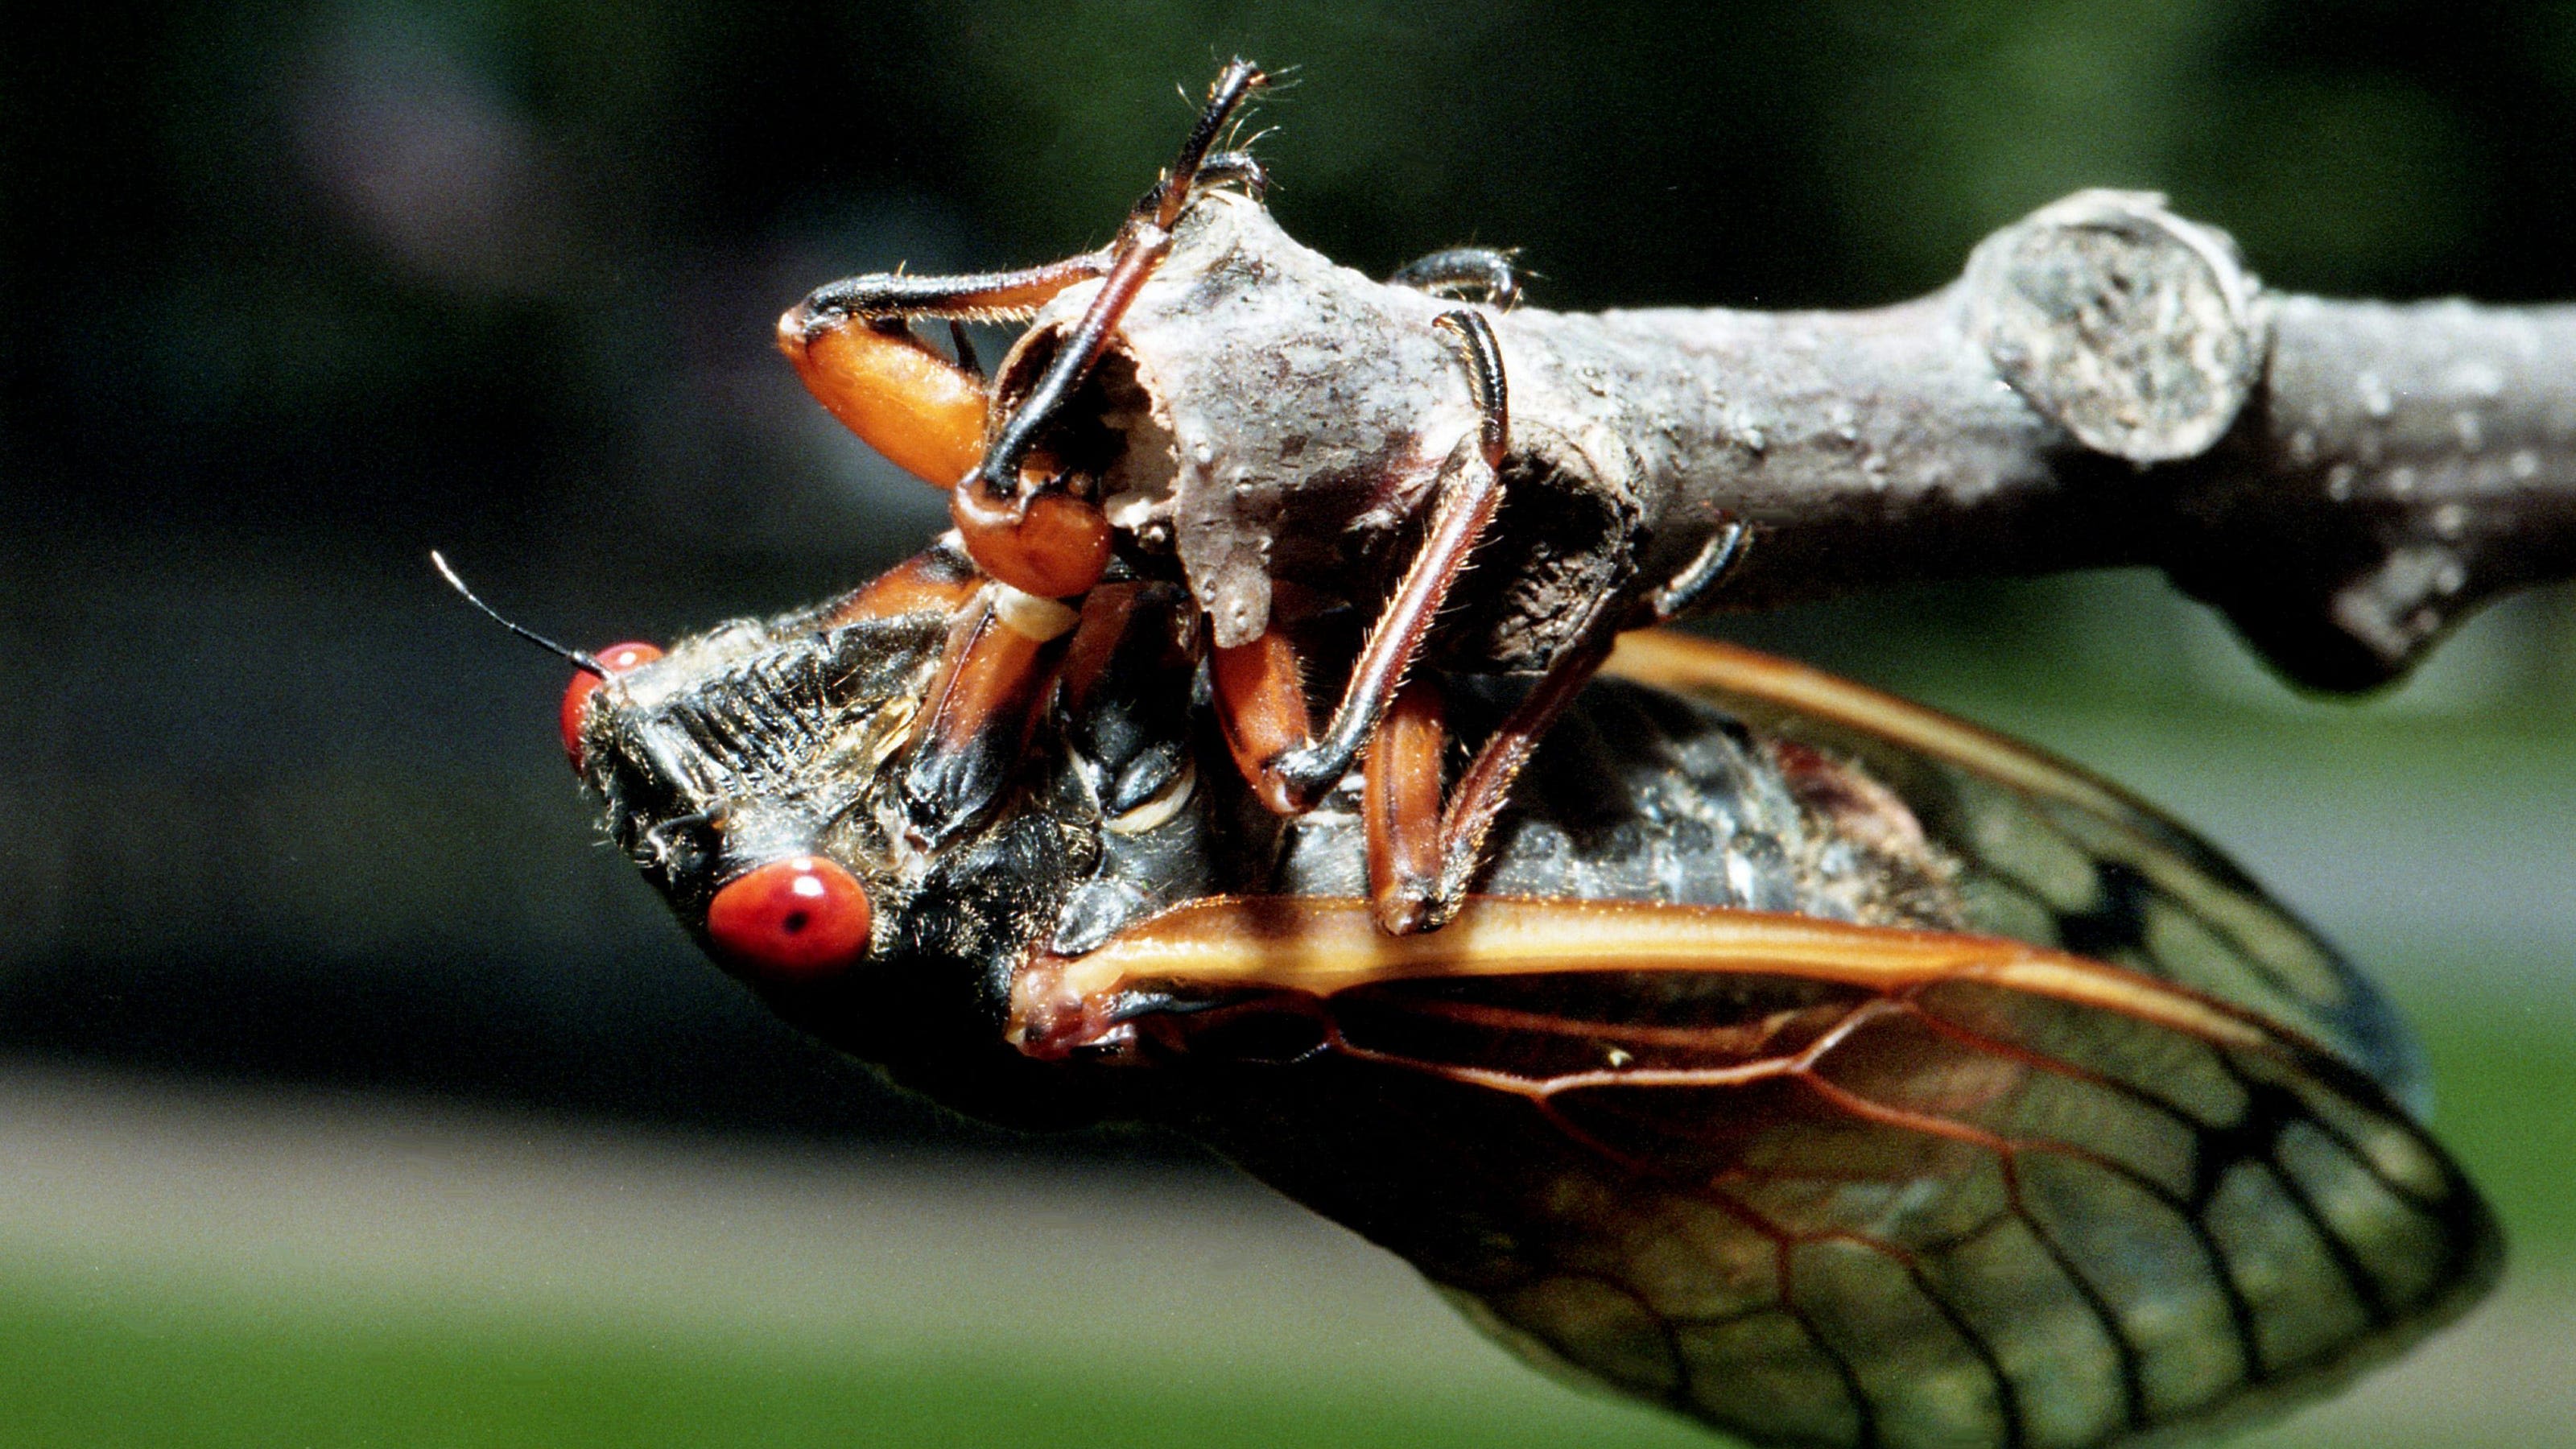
[[2054, 856], [1816, 1183]]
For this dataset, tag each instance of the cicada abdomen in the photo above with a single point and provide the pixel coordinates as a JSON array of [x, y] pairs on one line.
[[1819, 1067]]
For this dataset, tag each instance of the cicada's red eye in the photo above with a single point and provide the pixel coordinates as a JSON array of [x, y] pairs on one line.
[[619, 658], [799, 919]]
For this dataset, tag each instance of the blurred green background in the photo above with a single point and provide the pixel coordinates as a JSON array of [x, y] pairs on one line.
[[359, 1099]]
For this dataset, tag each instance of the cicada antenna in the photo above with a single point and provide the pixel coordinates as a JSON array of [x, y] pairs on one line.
[[585, 662]]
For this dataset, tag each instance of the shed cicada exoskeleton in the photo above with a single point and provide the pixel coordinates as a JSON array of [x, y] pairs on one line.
[[1823, 1068]]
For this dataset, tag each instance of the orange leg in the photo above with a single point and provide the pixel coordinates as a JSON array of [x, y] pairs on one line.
[[1401, 805], [1424, 852], [1423, 849], [1004, 657], [1258, 684], [1261, 708], [1408, 898], [1411, 899], [976, 721], [1035, 533], [849, 343]]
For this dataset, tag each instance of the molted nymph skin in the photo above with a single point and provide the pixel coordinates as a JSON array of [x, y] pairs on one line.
[[2387, 467]]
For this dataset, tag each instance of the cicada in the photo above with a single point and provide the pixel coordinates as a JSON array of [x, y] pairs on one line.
[[1819, 1067]]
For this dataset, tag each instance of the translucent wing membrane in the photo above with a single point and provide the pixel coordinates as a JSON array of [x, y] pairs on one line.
[[1970, 1194], [2051, 855], [2123, 1156]]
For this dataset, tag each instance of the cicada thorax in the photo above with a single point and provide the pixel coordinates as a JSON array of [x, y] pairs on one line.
[[1639, 795]]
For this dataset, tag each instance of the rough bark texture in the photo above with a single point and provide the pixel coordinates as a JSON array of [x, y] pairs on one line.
[[2105, 385]]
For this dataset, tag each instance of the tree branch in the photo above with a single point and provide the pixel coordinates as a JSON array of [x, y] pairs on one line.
[[2105, 385]]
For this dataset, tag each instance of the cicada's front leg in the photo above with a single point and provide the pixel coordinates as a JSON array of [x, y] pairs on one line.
[[1033, 529], [852, 343], [1027, 523], [851, 340]]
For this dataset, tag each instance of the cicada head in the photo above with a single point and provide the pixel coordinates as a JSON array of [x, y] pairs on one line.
[[742, 774], [758, 776]]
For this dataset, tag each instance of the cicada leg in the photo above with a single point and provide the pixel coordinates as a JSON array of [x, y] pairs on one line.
[[1481, 273], [1409, 896], [1420, 901], [1033, 532], [1400, 801], [1258, 685], [1037, 541], [1006, 654], [976, 713], [979, 710], [850, 342]]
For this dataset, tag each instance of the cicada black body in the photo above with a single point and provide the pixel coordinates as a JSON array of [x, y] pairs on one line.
[[1822, 1068]]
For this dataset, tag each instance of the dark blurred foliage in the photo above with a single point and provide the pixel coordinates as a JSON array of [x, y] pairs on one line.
[[295, 291]]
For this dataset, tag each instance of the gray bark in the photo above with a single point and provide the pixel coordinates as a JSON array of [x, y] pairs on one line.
[[2106, 385]]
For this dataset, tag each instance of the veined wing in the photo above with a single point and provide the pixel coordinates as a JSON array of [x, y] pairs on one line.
[[2057, 857], [1810, 1182]]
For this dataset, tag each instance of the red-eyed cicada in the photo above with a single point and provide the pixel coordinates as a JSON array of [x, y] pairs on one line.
[[1826, 1070], [1822, 1068]]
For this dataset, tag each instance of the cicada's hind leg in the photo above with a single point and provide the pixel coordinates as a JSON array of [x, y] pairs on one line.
[[1022, 520], [1411, 893], [1423, 899]]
